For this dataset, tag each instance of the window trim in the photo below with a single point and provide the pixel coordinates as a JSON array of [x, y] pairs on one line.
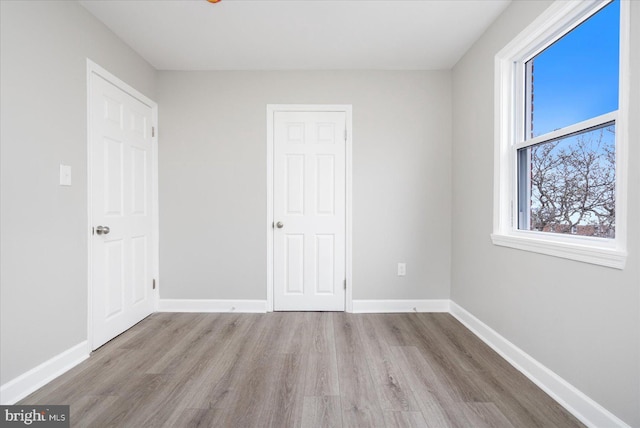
[[560, 18]]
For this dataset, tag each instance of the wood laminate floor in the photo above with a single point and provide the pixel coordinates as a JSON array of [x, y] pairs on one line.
[[292, 369]]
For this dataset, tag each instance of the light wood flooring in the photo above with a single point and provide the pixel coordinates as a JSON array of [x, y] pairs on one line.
[[291, 369]]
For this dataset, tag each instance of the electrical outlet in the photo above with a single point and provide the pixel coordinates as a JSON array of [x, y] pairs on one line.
[[65, 175], [402, 269]]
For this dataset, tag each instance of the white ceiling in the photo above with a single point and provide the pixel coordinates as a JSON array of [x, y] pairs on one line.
[[298, 34]]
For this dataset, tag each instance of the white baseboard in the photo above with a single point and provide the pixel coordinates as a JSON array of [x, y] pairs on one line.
[[391, 306], [210, 305], [18, 388], [581, 406]]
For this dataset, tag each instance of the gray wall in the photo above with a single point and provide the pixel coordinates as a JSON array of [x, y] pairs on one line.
[[43, 270], [213, 160], [580, 320]]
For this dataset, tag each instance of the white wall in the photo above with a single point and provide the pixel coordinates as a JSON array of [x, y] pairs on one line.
[[43, 270], [581, 321], [212, 148]]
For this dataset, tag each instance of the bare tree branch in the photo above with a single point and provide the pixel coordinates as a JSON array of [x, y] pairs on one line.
[[573, 184]]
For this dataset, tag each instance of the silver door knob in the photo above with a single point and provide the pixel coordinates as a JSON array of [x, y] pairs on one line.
[[102, 230], [279, 225]]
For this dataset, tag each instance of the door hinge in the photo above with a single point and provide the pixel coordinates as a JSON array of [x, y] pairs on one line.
[[93, 230], [153, 131], [345, 135], [154, 283], [345, 284]]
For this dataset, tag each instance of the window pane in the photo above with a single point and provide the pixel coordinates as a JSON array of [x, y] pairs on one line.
[[568, 185], [576, 78]]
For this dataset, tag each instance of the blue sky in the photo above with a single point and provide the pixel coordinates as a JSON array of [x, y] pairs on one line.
[[577, 77]]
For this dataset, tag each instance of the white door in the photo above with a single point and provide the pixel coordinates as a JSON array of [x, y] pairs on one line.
[[309, 211], [121, 205]]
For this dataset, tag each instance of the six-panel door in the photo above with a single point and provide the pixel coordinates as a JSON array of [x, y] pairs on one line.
[[120, 200], [309, 204]]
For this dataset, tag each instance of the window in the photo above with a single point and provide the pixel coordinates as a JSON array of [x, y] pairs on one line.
[[560, 134]]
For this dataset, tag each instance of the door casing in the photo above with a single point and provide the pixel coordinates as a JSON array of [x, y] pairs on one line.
[[94, 69], [271, 110]]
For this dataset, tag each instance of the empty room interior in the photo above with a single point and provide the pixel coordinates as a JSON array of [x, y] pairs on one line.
[[321, 212]]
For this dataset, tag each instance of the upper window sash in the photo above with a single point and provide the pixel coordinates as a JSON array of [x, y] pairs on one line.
[[568, 15]]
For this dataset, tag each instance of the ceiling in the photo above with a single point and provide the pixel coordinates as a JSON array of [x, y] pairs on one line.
[[298, 34]]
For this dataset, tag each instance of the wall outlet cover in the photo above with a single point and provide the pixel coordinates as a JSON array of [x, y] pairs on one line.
[[65, 175]]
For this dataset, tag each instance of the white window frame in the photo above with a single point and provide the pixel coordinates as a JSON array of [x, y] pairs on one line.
[[560, 18]]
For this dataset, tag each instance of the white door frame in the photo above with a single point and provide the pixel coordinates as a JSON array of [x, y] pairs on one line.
[[271, 110], [93, 70]]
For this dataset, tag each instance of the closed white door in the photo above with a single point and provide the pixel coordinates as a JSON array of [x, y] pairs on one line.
[[121, 205], [309, 211]]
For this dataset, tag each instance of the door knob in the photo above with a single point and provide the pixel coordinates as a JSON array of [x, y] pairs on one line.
[[102, 230], [279, 225]]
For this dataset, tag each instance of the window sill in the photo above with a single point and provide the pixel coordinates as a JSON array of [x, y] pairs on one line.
[[608, 257]]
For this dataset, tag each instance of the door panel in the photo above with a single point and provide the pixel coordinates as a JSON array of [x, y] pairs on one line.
[[309, 201], [294, 259], [325, 182], [294, 182], [139, 267], [113, 166], [114, 277], [139, 187], [325, 264], [121, 200]]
